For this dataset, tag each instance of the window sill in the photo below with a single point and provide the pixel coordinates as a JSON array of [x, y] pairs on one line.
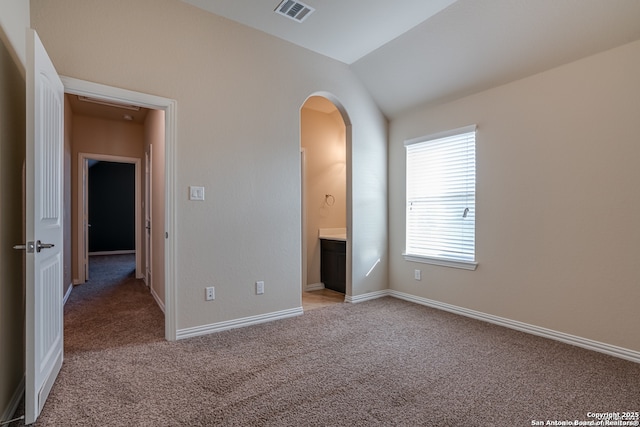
[[465, 265]]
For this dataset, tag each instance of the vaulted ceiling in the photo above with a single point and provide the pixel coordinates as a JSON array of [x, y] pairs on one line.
[[415, 52]]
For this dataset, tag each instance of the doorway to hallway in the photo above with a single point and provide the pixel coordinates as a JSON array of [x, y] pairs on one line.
[[163, 132]]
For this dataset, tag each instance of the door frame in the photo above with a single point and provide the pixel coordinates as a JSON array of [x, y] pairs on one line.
[[303, 221], [169, 106], [148, 198], [83, 200]]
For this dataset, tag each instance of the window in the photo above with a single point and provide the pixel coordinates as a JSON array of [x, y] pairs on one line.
[[441, 194]]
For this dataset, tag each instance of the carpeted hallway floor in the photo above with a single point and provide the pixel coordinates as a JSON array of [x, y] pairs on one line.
[[113, 309], [385, 362]]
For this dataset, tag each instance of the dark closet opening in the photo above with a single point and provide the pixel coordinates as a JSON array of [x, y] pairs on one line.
[[111, 206]]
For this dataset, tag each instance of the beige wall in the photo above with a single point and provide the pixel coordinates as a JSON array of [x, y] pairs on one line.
[[238, 135], [100, 136], [323, 139], [14, 18], [557, 200], [14, 21], [154, 135]]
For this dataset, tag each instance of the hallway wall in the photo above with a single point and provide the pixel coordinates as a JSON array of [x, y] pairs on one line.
[[323, 138]]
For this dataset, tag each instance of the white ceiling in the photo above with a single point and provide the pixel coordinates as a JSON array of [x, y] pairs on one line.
[[364, 24], [477, 44], [413, 52]]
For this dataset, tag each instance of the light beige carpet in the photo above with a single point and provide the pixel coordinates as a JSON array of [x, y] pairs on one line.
[[385, 362]]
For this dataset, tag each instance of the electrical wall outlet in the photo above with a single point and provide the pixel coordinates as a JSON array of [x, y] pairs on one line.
[[210, 293], [259, 287], [417, 274], [196, 193]]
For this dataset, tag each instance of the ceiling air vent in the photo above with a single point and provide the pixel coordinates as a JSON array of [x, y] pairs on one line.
[[294, 10]]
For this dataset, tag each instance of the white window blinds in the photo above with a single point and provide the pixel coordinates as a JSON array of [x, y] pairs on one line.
[[441, 193]]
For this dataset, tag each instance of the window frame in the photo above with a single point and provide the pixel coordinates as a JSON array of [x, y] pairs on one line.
[[440, 260]]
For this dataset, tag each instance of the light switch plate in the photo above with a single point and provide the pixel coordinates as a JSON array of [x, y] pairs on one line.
[[196, 193]]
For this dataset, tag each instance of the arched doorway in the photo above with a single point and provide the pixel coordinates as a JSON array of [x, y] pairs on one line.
[[325, 135]]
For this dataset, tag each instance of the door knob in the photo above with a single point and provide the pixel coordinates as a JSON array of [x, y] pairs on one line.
[[40, 246], [30, 246]]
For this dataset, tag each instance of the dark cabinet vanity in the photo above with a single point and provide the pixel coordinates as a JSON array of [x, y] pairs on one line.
[[333, 261]]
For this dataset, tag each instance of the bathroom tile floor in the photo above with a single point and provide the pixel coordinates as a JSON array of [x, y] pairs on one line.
[[320, 298]]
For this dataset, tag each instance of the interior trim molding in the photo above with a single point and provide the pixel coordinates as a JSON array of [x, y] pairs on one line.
[[12, 406], [367, 297], [237, 323], [314, 286], [119, 252], [611, 350]]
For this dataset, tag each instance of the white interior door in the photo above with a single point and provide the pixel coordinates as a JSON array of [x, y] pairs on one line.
[[44, 222]]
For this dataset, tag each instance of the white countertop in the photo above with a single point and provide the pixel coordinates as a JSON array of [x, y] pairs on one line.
[[339, 234]]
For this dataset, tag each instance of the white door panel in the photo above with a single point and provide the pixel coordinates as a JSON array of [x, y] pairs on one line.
[[44, 222]]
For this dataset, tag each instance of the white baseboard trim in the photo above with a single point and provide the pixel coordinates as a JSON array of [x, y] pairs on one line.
[[66, 295], [157, 298], [600, 347], [366, 297], [314, 286], [237, 323], [122, 252], [12, 406]]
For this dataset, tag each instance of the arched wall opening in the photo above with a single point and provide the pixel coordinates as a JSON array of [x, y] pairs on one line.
[[325, 167]]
